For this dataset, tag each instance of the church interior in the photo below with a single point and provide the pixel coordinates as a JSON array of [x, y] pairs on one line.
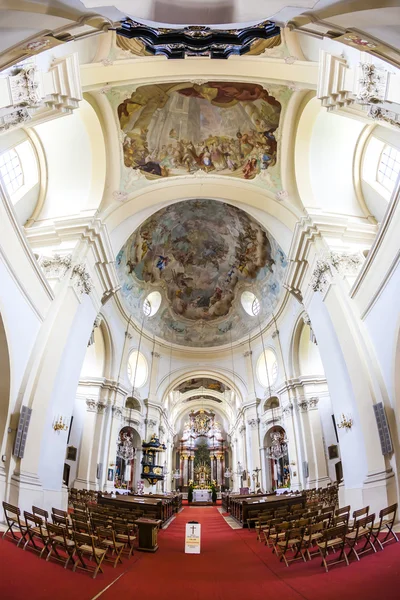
[[199, 299]]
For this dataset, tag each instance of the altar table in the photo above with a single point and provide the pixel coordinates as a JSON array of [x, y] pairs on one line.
[[201, 496]]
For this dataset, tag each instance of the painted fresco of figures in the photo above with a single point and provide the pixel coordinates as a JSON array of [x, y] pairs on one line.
[[173, 129]]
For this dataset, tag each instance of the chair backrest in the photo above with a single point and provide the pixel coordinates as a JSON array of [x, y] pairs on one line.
[[392, 509], [59, 512], [40, 512], [316, 527], [295, 533], [32, 520], [53, 530], [83, 539], [303, 522], [335, 532], [342, 511], [366, 522], [327, 509], [104, 533], [58, 520], [280, 527], [10, 508], [361, 512]]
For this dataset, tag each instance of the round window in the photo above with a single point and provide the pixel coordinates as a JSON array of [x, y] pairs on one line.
[[250, 303], [152, 304]]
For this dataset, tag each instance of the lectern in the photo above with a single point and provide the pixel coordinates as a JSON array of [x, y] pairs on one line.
[[148, 534]]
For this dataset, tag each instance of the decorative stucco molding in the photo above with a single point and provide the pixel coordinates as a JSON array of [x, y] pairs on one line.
[[91, 405], [377, 113], [101, 406], [253, 423], [55, 267], [345, 264], [116, 412], [287, 410], [81, 279], [306, 404], [372, 84]]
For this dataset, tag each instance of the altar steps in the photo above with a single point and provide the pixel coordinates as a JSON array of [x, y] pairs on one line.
[[199, 503]]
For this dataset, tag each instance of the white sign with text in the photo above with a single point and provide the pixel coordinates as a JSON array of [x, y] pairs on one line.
[[192, 538]]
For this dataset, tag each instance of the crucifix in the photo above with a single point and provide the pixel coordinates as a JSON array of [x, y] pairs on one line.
[[256, 471]]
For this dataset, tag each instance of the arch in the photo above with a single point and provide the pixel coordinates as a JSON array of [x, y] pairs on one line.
[[279, 218], [132, 403], [5, 380], [304, 355], [182, 374], [108, 348], [271, 403]]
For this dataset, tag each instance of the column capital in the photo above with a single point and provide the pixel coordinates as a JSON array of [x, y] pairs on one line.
[[253, 423], [116, 412], [91, 405], [248, 353], [155, 355]]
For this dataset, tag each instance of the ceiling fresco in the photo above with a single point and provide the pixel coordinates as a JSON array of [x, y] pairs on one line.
[[201, 255], [224, 128], [202, 382]]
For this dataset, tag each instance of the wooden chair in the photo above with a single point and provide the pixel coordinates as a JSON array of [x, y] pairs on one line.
[[387, 517], [81, 526], [40, 512], [362, 530], [123, 533], [279, 534], [36, 529], [108, 541], [333, 539], [293, 542], [359, 514], [13, 519], [262, 523], [58, 539], [88, 545], [313, 534], [59, 512], [271, 529]]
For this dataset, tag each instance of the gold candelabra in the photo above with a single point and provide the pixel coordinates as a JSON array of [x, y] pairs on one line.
[[60, 425], [345, 422]]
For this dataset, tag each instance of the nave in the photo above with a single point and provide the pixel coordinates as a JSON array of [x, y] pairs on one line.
[[232, 563]]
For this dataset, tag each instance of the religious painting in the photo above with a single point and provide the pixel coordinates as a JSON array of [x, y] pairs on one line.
[[202, 382], [71, 453], [228, 128], [110, 475], [333, 452]]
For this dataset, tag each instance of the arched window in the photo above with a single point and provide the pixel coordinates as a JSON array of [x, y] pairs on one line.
[[137, 369], [389, 167], [11, 171], [267, 360]]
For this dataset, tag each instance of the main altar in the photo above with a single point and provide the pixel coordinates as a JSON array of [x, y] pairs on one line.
[[201, 495], [202, 454]]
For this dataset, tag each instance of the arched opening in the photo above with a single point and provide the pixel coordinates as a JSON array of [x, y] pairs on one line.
[[271, 403], [128, 444], [277, 459]]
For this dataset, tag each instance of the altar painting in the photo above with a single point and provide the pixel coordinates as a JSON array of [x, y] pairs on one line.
[[216, 127]]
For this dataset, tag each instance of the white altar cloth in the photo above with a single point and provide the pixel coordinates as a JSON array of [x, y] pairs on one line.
[[201, 496]]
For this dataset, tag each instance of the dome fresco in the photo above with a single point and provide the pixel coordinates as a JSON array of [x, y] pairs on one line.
[[201, 255]]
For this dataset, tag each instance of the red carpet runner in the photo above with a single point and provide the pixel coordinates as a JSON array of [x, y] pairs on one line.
[[232, 565]]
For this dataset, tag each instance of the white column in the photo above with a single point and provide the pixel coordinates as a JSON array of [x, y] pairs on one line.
[[116, 424], [310, 424], [293, 450], [85, 470]]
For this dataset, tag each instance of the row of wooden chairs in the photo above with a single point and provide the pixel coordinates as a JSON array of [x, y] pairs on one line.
[[75, 539], [295, 540]]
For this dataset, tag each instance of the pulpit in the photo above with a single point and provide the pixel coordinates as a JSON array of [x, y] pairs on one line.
[[148, 529]]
